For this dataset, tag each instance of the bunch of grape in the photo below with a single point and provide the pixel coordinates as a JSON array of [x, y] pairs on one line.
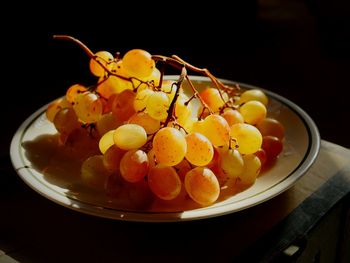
[[151, 136]]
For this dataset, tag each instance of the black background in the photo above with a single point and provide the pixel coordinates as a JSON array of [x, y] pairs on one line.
[[298, 49]]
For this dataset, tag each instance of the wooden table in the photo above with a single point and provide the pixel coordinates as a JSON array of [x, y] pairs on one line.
[[291, 225]]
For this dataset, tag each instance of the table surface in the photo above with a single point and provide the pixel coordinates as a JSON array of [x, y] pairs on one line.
[[34, 229]]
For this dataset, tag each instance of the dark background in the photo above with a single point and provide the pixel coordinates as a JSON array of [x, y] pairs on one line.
[[298, 49]]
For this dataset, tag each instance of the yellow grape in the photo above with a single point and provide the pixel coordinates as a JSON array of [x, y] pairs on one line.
[[106, 141], [164, 182], [183, 112], [199, 149], [74, 91], [151, 158], [134, 166], [112, 158], [216, 129], [252, 166], [55, 107], [106, 87], [211, 96], [130, 136], [182, 168], [169, 89], [157, 105], [147, 122], [232, 116], [123, 105], [253, 111], [169, 146], [105, 58], [106, 123], [93, 173], [202, 186], [88, 107], [231, 163], [138, 63], [66, 121], [247, 136], [141, 99], [253, 94]]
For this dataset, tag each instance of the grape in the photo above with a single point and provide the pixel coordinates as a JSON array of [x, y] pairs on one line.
[[88, 107], [106, 141], [147, 122], [182, 112], [231, 163], [93, 172], [130, 136], [253, 94], [105, 58], [202, 186], [199, 149], [74, 91], [106, 123], [151, 158], [157, 105], [232, 116], [182, 168], [252, 166], [112, 157], [247, 136], [66, 121], [253, 111], [134, 166], [216, 129], [138, 63], [55, 107], [123, 105], [164, 182], [212, 98], [273, 127], [169, 146], [272, 146], [141, 99], [106, 87], [261, 154]]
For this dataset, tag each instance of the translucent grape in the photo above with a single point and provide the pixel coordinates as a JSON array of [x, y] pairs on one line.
[[252, 166], [253, 94], [105, 58], [211, 96], [134, 165], [216, 129], [273, 127], [199, 149], [88, 107], [164, 182], [93, 172], [232, 116], [55, 107], [123, 105], [247, 136], [147, 122], [130, 136], [141, 99], [73, 92], [253, 111], [202, 186], [157, 105], [106, 141], [231, 163], [106, 123], [138, 63], [66, 121], [112, 157], [169, 146]]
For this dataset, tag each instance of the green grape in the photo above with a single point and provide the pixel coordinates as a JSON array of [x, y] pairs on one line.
[[130, 136], [199, 149], [212, 98], [164, 182], [147, 122], [157, 105], [169, 146], [231, 163], [93, 173], [248, 137], [106, 141], [202, 186], [253, 94], [141, 99], [138, 63], [232, 116], [134, 166], [88, 107], [253, 111], [252, 166], [216, 129], [123, 105], [105, 58]]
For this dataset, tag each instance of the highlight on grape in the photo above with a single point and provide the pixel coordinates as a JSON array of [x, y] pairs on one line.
[[150, 137]]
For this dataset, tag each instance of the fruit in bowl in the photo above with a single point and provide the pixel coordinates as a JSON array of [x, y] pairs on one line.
[[147, 137]]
